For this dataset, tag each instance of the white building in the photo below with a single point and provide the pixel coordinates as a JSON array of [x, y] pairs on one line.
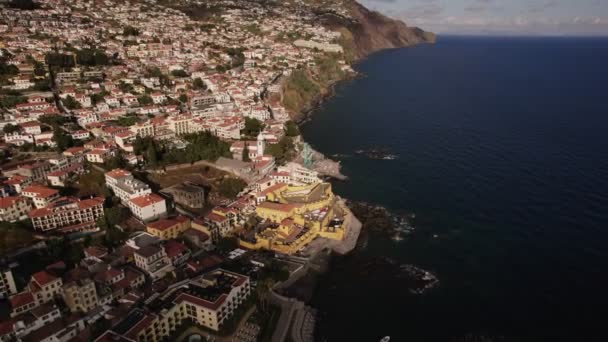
[[154, 261], [148, 207], [40, 195], [125, 186], [7, 283], [299, 174], [14, 208]]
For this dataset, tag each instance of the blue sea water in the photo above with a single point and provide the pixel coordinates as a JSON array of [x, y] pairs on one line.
[[503, 156]]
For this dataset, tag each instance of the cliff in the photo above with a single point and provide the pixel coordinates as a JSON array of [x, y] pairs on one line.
[[366, 31]]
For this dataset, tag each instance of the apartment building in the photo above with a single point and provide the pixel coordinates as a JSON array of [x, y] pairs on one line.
[[14, 208], [148, 207], [169, 228], [208, 300], [7, 282], [79, 292], [154, 261], [45, 286], [125, 186], [40, 195], [68, 214]]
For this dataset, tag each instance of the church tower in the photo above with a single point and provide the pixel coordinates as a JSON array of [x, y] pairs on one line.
[[260, 145]]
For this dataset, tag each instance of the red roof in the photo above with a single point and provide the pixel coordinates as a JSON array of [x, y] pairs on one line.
[[98, 152], [65, 203], [74, 150], [201, 302], [95, 251], [277, 206], [141, 325], [21, 299], [41, 191], [164, 224], [147, 200], [7, 202], [174, 248], [30, 124], [215, 217], [272, 189], [43, 277], [118, 173]]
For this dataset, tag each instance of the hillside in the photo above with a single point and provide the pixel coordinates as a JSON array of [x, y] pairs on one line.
[[366, 31]]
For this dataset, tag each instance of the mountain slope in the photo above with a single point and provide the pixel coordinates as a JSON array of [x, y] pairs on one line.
[[368, 31]]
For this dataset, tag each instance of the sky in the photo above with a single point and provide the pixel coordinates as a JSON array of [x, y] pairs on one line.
[[500, 17]]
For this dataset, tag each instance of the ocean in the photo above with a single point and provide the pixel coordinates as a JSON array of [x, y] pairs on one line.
[[502, 148]]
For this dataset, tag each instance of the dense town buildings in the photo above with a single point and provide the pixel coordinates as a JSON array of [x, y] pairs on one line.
[[136, 87]]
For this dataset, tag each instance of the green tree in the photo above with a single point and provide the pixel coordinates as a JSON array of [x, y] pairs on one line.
[[151, 155], [145, 100], [283, 151], [141, 144], [88, 240], [130, 31], [24, 4], [199, 84], [253, 127], [60, 60], [97, 97], [10, 128], [63, 140], [125, 87], [183, 98], [201, 146], [70, 103], [291, 129], [39, 69], [42, 85], [230, 187], [116, 162], [53, 120], [179, 73], [11, 101], [245, 156]]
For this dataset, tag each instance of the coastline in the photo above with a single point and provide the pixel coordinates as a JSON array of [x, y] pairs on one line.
[[325, 94], [294, 295]]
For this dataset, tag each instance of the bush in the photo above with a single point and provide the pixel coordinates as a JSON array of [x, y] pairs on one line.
[[130, 31], [91, 57], [11, 101], [15, 235], [145, 100], [24, 4], [199, 84], [179, 73], [70, 103], [291, 129], [283, 151]]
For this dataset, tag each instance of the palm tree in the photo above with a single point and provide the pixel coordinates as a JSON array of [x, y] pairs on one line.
[[263, 291]]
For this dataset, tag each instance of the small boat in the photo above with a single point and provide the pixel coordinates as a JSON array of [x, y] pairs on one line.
[[385, 339]]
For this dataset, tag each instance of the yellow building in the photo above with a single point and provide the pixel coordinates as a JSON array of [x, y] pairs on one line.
[[79, 292], [275, 212], [169, 228], [293, 216]]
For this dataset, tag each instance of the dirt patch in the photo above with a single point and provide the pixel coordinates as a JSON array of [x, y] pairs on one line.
[[199, 174]]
